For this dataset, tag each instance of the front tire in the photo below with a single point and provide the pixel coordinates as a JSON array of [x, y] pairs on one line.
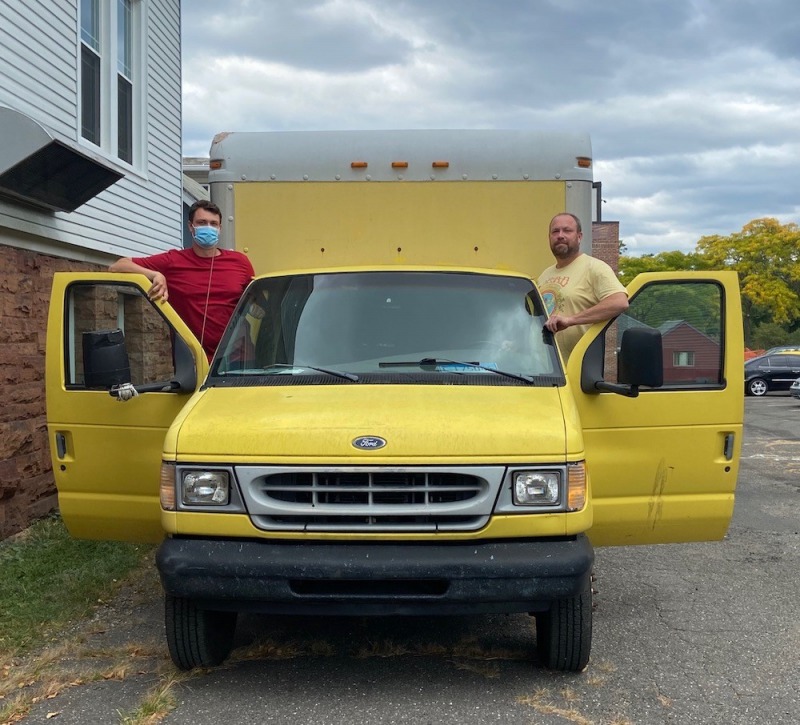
[[757, 387], [564, 633], [197, 637]]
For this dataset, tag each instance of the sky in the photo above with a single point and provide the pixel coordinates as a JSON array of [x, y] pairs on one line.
[[693, 106]]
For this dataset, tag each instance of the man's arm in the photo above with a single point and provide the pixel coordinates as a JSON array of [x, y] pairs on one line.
[[158, 290], [605, 309]]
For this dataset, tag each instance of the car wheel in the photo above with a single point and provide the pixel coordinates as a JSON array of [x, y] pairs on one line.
[[757, 386], [564, 633], [197, 637]]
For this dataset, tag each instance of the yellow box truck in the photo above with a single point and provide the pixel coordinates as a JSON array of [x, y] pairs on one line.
[[387, 427]]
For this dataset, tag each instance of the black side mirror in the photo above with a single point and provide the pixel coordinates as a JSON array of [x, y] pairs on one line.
[[105, 359], [641, 360]]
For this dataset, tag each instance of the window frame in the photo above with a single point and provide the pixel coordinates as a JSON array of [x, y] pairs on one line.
[[150, 342], [120, 140], [677, 356], [602, 351]]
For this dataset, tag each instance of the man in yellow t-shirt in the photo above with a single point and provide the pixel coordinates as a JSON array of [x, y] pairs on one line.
[[578, 290]]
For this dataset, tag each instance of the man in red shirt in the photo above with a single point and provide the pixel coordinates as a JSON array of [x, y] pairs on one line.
[[203, 283]]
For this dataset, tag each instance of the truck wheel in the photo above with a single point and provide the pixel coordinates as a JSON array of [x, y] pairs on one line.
[[197, 637], [757, 386], [564, 633]]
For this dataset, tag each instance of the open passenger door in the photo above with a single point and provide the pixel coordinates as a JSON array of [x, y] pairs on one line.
[[663, 465], [106, 450]]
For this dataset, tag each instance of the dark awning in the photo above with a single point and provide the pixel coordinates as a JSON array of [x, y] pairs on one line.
[[39, 168]]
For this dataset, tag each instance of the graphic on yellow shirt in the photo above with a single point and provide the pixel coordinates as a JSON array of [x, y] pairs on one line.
[[550, 300]]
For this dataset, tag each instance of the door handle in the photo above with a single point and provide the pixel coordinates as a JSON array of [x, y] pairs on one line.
[[728, 449]]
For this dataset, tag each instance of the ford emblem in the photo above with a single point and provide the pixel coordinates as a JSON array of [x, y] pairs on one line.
[[369, 443]]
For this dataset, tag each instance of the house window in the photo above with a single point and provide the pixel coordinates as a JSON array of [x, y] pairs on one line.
[[111, 47], [124, 81], [683, 359], [90, 71]]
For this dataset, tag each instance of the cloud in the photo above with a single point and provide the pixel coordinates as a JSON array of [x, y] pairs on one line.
[[693, 105]]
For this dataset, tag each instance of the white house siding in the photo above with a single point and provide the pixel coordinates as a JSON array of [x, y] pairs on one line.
[[38, 74], [140, 214]]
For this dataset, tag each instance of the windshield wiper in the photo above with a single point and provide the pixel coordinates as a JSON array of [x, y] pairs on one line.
[[433, 362], [326, 371]]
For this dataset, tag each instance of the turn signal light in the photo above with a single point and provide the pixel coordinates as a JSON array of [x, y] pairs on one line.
[[576, 486]]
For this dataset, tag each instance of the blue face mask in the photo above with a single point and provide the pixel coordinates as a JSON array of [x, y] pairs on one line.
[[206, 237]]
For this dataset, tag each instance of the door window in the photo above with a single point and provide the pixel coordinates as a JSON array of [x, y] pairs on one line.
[[95, 308], [689, 316]]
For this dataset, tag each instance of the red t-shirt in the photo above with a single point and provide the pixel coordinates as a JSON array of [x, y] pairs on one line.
[[203, 295]]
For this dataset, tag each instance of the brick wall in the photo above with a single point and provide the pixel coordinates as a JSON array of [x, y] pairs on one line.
[[27, 490], [605, 246], [605, 243]]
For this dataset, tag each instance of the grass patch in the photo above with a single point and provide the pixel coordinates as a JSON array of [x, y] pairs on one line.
[[50, 579]]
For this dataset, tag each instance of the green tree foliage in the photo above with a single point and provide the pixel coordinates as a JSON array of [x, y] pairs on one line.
[[765, 253], [629, 267], [769, 335], [697, 304]]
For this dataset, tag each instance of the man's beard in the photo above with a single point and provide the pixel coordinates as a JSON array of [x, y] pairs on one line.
[[562, 250]]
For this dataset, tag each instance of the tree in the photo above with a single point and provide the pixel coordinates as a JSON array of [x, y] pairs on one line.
[[769, 335], [766, 255], [629, 267]]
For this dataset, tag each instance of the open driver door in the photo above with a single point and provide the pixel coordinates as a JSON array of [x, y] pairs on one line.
[[119, 369]]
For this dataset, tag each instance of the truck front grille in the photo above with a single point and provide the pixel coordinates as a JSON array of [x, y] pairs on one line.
[[421, 500]]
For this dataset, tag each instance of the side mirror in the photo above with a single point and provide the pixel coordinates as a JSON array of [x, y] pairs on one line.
[[106, 365], [641, 360], [105, 359]]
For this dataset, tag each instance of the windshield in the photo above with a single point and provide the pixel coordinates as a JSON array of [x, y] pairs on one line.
[[381, 326]]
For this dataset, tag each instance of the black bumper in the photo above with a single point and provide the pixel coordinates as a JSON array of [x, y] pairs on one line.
[[375, 578]]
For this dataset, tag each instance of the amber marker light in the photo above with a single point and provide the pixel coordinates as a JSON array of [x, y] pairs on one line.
[[399, 164], [440, 164], [215, 164], [584, 162], [358, 164], [576, 486], [167, 488]]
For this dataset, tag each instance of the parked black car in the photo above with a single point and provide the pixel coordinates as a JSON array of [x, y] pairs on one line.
[[771, 372]]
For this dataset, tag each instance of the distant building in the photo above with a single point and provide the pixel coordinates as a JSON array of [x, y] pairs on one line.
[[690, 356], [196, 168]]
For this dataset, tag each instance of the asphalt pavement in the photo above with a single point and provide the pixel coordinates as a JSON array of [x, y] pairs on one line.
[[683, 633]]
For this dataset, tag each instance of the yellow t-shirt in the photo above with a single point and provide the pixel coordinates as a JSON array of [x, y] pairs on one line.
[[580, 285]]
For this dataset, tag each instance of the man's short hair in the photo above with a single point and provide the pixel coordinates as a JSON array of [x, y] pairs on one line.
[[209, 206], [566, 213]]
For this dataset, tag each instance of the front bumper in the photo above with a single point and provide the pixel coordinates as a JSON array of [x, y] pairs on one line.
[[375, 578]]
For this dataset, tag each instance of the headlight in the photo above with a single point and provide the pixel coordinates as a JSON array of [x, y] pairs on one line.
[[537, 488], [205, 488]]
